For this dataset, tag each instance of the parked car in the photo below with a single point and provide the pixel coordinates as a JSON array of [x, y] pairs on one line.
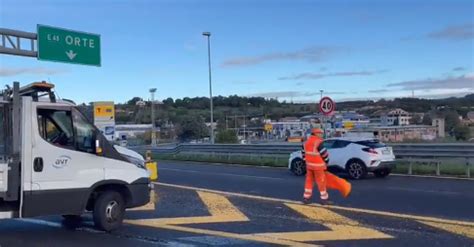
[[356, 157]]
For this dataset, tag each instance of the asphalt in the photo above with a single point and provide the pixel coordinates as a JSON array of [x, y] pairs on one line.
[[444, 198], [221, 205]]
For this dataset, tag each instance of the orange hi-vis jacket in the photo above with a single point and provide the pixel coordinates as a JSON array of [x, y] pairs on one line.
[[315, 155]]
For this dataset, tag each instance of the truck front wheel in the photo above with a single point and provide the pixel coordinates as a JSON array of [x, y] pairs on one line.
[[109, 210]]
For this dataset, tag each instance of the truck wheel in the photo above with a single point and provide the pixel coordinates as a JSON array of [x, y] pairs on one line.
[[356, 169], [298, 167], [382, 173], [109, 210]]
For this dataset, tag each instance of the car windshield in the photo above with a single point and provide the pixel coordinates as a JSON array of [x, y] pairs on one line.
[[372, 143]]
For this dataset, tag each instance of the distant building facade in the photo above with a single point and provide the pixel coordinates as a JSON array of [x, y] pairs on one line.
[[401, 133], [439, 124], [395, 117]]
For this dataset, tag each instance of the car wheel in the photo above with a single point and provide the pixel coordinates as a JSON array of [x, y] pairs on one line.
[[298, 167], [356, 169], [382, 173], [109, 210]]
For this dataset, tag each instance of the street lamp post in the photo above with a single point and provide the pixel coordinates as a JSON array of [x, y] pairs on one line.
[[208, 35], [153, 133]]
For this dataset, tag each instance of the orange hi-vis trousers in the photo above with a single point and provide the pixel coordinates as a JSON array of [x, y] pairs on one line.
[[325, 180]]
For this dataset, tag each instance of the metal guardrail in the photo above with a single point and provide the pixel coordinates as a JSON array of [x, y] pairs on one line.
[[450, 150], [411, 153]]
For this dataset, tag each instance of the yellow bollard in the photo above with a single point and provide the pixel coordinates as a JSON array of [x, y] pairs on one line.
[[152, 167]]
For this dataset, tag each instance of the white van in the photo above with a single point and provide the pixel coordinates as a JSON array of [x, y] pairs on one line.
[[54, 162]]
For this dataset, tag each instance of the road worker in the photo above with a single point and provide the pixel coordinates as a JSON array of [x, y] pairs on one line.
[[316, 158]]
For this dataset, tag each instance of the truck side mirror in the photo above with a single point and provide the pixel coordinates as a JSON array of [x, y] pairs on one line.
[[98, 148]]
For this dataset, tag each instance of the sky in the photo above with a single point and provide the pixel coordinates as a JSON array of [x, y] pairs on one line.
[[289, 50]]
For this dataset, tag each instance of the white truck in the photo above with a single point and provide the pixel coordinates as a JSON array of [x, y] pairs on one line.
[[54, 162]]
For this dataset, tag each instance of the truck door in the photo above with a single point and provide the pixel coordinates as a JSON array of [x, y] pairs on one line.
[[3, 151], [65, 165]]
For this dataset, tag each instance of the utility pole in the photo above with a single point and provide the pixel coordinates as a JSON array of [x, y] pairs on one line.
[[208, 35], [153, 132]]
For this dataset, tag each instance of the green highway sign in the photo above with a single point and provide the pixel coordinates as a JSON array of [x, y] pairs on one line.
[[62, 45]]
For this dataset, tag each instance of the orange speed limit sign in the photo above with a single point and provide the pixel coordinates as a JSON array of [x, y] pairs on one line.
[[327, 106]]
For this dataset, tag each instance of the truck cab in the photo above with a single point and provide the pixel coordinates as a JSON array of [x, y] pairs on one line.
[[53, 161]]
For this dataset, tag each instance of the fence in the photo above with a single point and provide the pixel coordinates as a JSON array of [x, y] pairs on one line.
[[410, 153]]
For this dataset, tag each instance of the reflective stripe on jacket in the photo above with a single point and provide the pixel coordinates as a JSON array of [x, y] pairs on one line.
[[312, 155]]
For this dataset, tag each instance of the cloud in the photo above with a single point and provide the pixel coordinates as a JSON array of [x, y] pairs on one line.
[[244, 82], [334, 93], [316, 76], [5, 72], [190, 46], [311, 54], [459, 32], [460, 82], [459, 68], [279, 94], [292, 94], [379, 91]]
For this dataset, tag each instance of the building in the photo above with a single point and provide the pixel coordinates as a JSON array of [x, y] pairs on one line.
[[439, 124], [399, 133], [282, 130], [126, 131], [395, 117]]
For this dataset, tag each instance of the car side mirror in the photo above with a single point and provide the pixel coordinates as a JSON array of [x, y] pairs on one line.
[[98, 148]]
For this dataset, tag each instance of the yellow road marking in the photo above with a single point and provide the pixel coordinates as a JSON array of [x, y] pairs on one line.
[[467, 231], [220, 208], [357, 210], [341, 228], [249, 237]]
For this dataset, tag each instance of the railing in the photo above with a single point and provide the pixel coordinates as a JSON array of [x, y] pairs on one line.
[[410, 153]]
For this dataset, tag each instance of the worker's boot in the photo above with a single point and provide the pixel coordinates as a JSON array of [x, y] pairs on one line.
[[327, 202], [306, 201]]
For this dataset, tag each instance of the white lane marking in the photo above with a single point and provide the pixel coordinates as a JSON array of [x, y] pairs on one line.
[[427, 191], [220, 174], [429, 176]]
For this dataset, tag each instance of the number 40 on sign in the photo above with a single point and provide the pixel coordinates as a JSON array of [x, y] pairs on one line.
[[327, 106]]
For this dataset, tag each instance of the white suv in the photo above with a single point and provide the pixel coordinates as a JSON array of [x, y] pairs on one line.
[[357, 157]]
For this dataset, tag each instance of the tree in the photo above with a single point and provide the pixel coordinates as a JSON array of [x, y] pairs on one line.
[[427, 120], [168, 102], [226, 136], [452, 120], [192, 128], [462, 132], [134, 101], [416, 119]]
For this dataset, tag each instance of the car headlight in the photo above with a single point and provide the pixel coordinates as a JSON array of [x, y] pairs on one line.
[[138, 162]]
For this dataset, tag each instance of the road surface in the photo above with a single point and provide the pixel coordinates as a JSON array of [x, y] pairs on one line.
[[221, 205]]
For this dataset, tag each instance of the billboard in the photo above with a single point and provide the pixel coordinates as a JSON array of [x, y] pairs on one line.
[[104, 118]]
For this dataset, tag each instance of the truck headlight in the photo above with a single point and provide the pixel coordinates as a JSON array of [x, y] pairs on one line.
[[138, 162]]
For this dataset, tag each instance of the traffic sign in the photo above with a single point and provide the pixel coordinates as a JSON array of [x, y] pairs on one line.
[[62, 45], [327, 106]]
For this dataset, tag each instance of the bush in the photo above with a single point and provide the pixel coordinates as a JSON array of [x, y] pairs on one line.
[[226, 136], [462, 133]]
